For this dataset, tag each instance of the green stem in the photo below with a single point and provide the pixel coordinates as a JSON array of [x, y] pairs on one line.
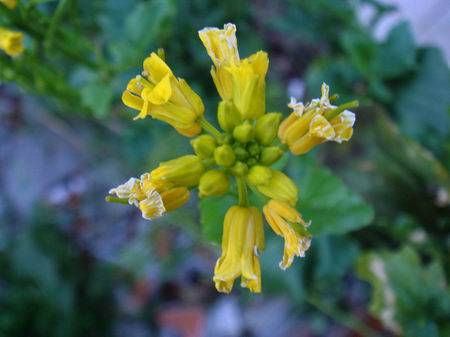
[[54, 23], [116, 200], [242, 191], [336, 111], [208, 127]]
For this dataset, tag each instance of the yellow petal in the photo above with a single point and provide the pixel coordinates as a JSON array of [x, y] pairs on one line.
[[156, 68], [161, 92], [191, 96], [220, 44], [132, 101]]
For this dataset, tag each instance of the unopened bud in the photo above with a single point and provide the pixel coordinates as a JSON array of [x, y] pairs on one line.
[[204, 146], [241, 153], [243, 133], [239, 169], [213, 182], [228, 116], [254, 149], [224, 155], [270, 155], [266, 128], [252, 161], [280, 188], [259, 175]]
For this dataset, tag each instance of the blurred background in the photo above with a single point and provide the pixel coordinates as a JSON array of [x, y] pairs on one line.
[[72, 265]]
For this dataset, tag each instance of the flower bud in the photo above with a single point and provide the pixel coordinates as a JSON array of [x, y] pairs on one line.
[[183, 171], [254, 149], [259, 175], [266, 128], [252, 161], [224, 155], [239, 169], [243, 133], [281, 188], [228, 116], [204, 146], [213, 182], [270, 155], [241, 153]]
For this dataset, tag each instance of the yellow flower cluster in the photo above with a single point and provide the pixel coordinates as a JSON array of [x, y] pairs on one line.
[[11, 42], [239, 156]]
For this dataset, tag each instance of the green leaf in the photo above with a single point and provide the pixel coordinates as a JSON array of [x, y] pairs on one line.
[[97, 96], [422, 103], [326, 201], [407, 296], [398, 53], [213, 211]]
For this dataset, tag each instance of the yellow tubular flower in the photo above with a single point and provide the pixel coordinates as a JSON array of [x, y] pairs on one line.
[[184, 171], [221, 45], [288, 223], [280, 187], [314, 124], [242, 237], [11, 42], [11, 4], [175, 198], [158, 93]]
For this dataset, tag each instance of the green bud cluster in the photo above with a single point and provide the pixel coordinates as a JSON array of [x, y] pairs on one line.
[[245, 150]]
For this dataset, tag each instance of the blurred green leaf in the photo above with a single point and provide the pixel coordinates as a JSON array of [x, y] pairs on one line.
[[423, 101], [326, 201], [212, 213], [407, 296], [97, 96], [398, 53]]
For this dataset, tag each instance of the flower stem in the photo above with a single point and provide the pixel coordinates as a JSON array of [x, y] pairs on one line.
[[336, 111], [208, 127], [116, 200], [242, 190]]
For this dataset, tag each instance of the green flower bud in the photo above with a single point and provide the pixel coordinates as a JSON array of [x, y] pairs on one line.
[[204, 146], [252, 162], [259, 175], [213, 182], [243, 133], [239, 169], [266, 128], [224, 155], [270, 155], [228, 116], [241, 153], [254, 149]]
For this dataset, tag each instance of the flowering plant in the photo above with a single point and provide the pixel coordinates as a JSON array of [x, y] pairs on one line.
[[238, 157]]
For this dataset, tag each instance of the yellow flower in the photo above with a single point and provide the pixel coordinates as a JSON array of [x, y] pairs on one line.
[[11, 42], [158, 93], [288, 223], [152, 201], [221, 46], [11, 4], [240, 81], [184, 171], [280, 187], [313, 124], [243, 236]]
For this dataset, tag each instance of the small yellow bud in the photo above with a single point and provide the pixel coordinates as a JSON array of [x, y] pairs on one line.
[[11, 4], [280, 188], [270, 155], [266, 128], [224, 155], [239, 169], [11, 42], [204, 146], [213, 182], [259, 175], [183, 171], [243, 133], [228, 116]]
